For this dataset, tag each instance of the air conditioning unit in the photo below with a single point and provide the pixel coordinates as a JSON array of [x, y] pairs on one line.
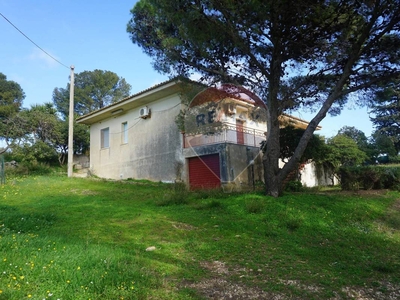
[[144, 112]]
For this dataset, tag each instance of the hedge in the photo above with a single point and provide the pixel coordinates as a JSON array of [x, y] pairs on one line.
[[370, 177]]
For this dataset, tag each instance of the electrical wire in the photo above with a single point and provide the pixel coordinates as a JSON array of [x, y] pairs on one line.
[[155, 111], [119, 132], [32, 41]]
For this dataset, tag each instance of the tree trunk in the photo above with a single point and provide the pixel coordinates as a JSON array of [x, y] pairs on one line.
[[273, 185]]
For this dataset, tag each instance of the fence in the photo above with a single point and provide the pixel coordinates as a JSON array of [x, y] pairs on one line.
[[226, 134]]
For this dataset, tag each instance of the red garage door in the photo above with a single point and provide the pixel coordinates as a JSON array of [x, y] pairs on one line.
[[204, 172]]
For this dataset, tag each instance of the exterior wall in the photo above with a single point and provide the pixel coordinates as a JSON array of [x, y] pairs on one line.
[[313, 175], [153, 150], [244, 165], [240, 165], [82, 159]]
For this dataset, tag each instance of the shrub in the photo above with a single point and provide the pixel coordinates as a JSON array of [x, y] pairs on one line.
[[28, 168], [391, 178], [294, 186], [370, 177], [350, 178]]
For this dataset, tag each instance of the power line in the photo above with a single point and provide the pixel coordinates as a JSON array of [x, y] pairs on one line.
[[32, 41]]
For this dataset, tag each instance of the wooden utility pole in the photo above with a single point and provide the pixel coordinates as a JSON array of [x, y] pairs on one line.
[[71, 124]]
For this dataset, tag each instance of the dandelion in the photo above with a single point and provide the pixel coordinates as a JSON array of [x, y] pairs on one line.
[[29, 296], [78, 268], [68, 281]]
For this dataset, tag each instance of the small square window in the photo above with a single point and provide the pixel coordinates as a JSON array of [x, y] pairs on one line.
[[124, 131], [105, 138]]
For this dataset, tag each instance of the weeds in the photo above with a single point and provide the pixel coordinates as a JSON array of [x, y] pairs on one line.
[[254, 205]]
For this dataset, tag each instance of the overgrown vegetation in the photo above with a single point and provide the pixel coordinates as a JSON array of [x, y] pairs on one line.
[[71, 238], [370, 177]]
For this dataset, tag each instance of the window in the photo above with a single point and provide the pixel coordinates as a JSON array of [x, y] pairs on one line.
[[105, 138], [124, 131]]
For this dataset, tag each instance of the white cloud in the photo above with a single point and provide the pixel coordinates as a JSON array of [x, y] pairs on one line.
[[44, 59]]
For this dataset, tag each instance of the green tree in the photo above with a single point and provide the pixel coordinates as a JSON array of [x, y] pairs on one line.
[[343, 151], [289, 138], [384, 148], [356, 135], [11, 97], [38, 144], [293, 54], [386, 111], [81, 140], [12, 126], [43, 122], [365, 144], [49, 131], [93, 90]]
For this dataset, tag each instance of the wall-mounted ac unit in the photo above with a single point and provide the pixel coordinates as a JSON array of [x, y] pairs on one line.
[[144, 112]]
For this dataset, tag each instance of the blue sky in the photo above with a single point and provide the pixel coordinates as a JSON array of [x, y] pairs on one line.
[[92, 35]]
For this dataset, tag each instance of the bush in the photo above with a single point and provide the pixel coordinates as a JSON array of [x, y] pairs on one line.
[[391, 178], [294, 186], [28, 168], [370, 177]]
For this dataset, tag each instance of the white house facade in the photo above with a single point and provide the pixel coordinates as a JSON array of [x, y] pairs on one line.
[[138, 137]]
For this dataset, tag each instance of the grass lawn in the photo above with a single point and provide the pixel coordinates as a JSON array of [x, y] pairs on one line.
[[71, 238]]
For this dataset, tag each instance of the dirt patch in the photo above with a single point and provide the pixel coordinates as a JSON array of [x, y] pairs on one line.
[[216, 266], [183, 226], [221, 286], [386, 291], [221, 289]]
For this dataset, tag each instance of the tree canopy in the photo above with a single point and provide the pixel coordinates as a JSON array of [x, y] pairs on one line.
[[93, 90], [293, 54], [11, 98], [344, 151], [386, 110], [289, 139]]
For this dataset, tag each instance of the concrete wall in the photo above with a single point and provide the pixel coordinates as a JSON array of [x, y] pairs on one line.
[[244, 165], [315, 175], [153, 150]]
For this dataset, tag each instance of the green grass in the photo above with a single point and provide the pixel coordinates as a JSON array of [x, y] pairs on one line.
[[77, 238]]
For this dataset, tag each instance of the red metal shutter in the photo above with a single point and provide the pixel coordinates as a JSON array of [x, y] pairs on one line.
[[204, 172]]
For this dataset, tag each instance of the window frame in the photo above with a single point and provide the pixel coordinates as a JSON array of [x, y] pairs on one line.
[[105, 138], [124, 132]]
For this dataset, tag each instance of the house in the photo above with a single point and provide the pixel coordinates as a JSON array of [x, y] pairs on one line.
[[214, 144]]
